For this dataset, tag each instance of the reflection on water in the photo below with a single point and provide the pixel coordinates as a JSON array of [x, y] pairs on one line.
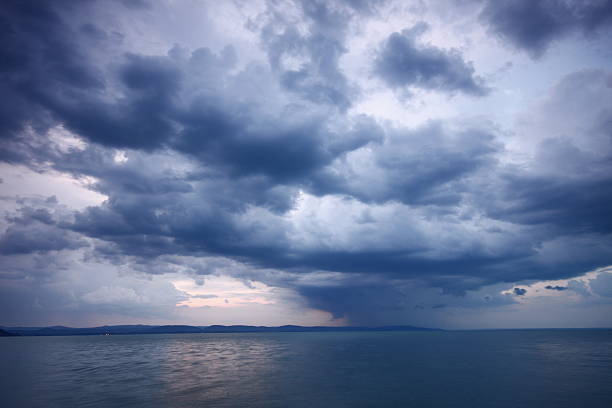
[[216, 369], [460, 369]]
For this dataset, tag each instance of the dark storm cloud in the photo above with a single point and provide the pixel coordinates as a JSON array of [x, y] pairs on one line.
[[35, 228], [308, 63], [210, 219], [154, 210], [501, 196], [364, 303], [37, 238], [278, 148], [239, 138], [403, 62], [534, 25], [571, 205], [220, 153], [426, 165], [49, 76], [35, 52], [578, 144], [140, 119], [367, 301], [197, 226], [40, 50]]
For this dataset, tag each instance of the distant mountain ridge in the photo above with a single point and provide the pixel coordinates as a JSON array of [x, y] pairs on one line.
[[4, 333], [168, 329]]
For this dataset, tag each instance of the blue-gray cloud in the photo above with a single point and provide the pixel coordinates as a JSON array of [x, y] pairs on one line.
[[534, 25], [403, 62], [36, 229], [315, 74], [222, 153]]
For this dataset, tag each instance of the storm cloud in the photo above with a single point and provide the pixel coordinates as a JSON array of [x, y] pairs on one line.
[[534, 26], [403, 62], [250, 154]]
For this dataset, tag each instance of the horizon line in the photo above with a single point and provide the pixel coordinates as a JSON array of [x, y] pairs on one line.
[[304, 326]]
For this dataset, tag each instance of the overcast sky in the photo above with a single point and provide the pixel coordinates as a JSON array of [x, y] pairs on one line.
[[434, 163]]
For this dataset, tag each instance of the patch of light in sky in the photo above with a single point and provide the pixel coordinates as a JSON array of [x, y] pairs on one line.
[[224, 291], [22, 182]]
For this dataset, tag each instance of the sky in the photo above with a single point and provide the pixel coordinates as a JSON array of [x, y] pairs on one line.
[[344, 162]]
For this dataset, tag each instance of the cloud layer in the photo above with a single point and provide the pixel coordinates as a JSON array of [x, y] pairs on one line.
[[247, 157]]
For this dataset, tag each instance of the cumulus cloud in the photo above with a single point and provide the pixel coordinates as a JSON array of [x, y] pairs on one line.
[[425, 165], [212, 161], [403, 62], [304, 41], [566, 182], [37, 227], [534, 26], [40, 237]]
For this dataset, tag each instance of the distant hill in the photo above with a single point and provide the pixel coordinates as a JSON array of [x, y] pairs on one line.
[[4, 333], [168, 329]]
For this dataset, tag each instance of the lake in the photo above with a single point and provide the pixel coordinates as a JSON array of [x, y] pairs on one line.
[[513, 368]]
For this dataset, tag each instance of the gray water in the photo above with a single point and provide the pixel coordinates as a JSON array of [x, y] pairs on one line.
[[371, 369]]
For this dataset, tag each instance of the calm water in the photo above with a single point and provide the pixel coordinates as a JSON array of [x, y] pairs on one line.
[[373, 369]]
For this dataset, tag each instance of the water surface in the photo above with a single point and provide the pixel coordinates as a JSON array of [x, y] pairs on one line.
[[522, 368]]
